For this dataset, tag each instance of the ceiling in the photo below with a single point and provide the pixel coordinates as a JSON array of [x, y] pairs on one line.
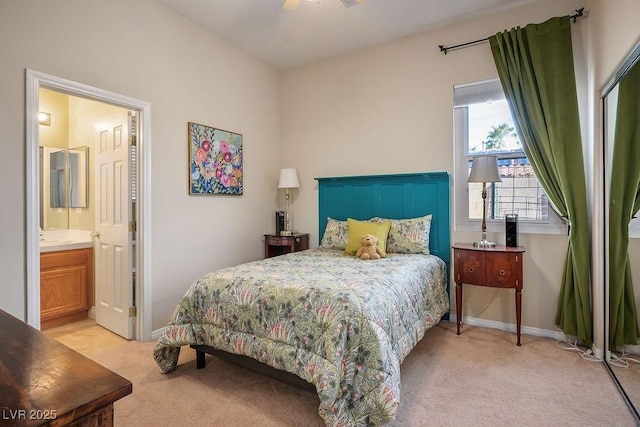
[[319, 29]]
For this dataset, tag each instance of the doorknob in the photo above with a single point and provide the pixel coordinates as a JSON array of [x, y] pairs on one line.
[[95, 234]]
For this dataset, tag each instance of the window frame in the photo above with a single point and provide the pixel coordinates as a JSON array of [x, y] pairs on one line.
[[553, 225]]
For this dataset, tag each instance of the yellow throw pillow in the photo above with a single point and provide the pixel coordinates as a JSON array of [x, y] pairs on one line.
[[358, 228]]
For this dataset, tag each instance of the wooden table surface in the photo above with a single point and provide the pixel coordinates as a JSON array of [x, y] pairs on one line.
[[45, 382]]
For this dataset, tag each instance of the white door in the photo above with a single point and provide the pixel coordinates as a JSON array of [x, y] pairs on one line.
[[113, 243]]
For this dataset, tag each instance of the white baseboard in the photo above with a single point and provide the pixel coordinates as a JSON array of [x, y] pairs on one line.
[[157, 333], [526, 330], [630, 348], [510, 327], [92, 312], [597, 351]]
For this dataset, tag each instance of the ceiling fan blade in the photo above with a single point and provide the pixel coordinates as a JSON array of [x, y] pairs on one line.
[[350, 3], [290, 4]]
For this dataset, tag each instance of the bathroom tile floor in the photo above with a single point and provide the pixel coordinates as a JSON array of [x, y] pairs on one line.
[[85, 336]]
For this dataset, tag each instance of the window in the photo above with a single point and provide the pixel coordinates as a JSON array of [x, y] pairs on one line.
[[483, 125]]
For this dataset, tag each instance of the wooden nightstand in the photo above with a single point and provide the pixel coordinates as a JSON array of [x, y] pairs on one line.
[[498, 267], [275, 245]]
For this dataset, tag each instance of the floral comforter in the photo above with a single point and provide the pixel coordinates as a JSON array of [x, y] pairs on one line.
[[341, 323]]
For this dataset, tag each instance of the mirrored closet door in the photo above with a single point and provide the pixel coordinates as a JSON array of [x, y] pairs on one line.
[[621, 132]]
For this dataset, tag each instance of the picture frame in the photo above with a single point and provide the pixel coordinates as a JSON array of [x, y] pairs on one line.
[[215, 161]]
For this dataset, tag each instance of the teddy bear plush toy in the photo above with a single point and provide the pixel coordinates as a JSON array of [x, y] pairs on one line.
[[369, 248]]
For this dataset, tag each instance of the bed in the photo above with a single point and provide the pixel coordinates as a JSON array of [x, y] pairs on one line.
[[331, 321]]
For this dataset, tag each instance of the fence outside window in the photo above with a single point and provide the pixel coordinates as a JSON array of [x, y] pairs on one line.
[[519, 193]]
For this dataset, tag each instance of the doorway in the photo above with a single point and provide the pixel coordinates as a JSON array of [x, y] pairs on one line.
[[142, 215]]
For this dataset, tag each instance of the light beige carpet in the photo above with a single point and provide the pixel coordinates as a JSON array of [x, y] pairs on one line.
[[480, 378], [629, 377]]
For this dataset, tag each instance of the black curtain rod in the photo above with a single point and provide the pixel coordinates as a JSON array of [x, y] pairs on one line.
[[579, 13]]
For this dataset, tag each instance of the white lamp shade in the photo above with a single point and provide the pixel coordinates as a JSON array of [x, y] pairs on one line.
[[288, 178], [484, 169]]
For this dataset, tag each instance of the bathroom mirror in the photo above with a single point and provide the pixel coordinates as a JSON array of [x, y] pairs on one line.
[[64, 175], [78, 177], [68, 176], [621, 130], [57, 181]]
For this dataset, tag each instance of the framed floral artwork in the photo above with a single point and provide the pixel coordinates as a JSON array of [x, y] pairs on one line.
[[215, 160]]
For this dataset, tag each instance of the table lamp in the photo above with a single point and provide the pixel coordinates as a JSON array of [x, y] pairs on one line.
[[484, 169], [288, 179]]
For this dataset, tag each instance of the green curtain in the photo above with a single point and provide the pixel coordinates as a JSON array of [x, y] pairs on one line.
[[535, 65], [624, 203]]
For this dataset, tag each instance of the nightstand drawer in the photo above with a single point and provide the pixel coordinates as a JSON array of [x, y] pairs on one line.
[[275, 245], [470, 267], [275, 240], [503, 270]]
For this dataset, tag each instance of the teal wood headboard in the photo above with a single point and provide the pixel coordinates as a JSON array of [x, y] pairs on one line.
[[390, 196]]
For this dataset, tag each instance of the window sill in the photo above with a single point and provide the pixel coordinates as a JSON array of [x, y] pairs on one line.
[[523, 227]]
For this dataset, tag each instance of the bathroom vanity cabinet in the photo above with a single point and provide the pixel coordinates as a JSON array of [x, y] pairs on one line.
[[66, 286]]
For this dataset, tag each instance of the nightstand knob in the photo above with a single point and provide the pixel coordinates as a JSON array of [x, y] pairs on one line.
[[502, 272], [297, 240], [470, 269]]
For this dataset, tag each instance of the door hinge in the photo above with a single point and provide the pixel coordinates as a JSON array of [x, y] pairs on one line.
[[133, 140], [133, 312], [132, 226]]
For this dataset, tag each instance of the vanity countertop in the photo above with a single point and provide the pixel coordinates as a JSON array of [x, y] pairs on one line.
[[64, 240]]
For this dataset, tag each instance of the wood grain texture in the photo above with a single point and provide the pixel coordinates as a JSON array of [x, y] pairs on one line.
[[496, 267], [41, 378], [66, 286]]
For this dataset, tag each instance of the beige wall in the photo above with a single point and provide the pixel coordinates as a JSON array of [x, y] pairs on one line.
[[55, 135], [615, 33], [143, 50], [389, 109]]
